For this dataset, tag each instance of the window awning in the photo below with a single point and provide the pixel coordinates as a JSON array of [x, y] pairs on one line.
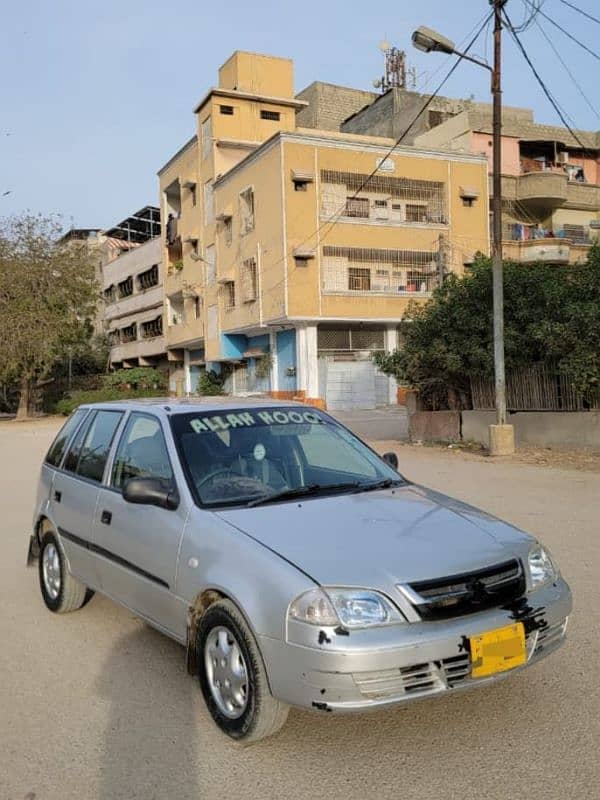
[[302, 176], [304, 253], [469, 192], [254, 352]]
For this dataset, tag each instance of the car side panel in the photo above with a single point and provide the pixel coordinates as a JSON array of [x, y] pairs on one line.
[[215, 555]]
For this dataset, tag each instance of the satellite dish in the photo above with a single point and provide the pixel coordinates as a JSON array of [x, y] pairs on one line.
[[384, 45], [377, 84]]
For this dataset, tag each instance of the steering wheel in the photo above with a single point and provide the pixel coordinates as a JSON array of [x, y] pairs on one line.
[[214, 474]]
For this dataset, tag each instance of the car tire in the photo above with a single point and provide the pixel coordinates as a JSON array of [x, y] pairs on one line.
[[246, 711], [60, 590]]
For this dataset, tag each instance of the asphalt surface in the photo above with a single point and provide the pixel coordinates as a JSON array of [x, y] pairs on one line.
[[95, 705]]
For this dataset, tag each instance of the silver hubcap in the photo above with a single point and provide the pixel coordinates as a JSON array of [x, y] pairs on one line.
[[51, 570], [226, 672]]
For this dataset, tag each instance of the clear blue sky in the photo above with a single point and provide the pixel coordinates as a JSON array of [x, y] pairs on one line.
[[97, 96]]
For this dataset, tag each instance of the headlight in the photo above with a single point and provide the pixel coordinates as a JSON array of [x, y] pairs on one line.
[[541, 568], [353, 608]]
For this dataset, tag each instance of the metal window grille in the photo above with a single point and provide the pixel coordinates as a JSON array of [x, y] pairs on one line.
[[129, 333], [210, 264], [152, 328], [109, 294], [229, 294], [247, 210], [249, 281], [378, 271], [349, 339], [148, 278], [113, 337], [228, 229], [272, 115], [412, 200], [209, 207], [126, 287]]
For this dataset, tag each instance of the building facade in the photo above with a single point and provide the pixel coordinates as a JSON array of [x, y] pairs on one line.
[[132, 286], [292, 253], [550, 178]]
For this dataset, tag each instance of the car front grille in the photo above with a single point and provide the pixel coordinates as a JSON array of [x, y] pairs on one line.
[[426, 678], [456, 595]]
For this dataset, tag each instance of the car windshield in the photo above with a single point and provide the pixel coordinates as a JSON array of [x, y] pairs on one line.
[[248, 456]]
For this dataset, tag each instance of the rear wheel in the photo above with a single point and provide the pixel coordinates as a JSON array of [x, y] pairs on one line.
[[233, 677], [60, 590]]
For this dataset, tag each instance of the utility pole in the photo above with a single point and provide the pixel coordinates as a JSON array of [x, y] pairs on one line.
[[441, 259], [501, 434]]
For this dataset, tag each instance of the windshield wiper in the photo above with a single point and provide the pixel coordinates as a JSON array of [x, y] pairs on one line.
[[312, 489], [383, 484]]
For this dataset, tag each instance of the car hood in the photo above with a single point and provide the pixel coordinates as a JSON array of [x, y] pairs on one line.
[[380, 538]]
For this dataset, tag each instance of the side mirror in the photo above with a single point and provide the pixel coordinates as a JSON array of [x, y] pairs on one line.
[[151, 492], [391, 459]]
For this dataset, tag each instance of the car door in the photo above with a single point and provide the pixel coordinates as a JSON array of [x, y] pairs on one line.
[[75, 489], [137, 545]]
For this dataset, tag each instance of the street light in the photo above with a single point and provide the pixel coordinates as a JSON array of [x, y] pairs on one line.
[[502, 441]]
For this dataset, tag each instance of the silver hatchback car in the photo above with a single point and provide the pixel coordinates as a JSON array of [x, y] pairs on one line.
[[295, 565]]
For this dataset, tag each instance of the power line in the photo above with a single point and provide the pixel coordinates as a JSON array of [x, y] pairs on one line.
[[566, 33], [567, 70], [580, 11], [539, 79]]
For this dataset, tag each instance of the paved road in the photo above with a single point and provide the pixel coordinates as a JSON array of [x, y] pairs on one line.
[[97, 706], [388, 422]]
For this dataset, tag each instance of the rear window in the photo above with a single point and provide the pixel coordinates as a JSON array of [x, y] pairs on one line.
[[59, 445], [89, 451]]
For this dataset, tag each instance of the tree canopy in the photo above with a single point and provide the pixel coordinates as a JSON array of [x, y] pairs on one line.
[[48, 297], [551, 315]]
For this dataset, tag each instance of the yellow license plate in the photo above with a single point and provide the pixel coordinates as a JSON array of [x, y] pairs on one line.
[[497, 650]]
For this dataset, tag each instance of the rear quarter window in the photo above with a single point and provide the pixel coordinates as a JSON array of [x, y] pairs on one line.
[[58, 447]]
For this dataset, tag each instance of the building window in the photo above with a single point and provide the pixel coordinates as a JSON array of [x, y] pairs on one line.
[[247, 210], [229, 294], [148, 278], [126, 287], [109, 294], [300, 186], [436, 118], [152, 328], [209, 210], [469, 202], [359, 279], [249, 281], [227, 111], [272, 115], [357, 207], [197, 307], [211, 263], [206, 130], [193, 194], [129, 333], [228, 230], [416, 213]]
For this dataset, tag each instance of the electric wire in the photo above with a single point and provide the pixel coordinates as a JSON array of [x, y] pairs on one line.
[[566, 33], [580, 11], [547, 92], [567, 70]]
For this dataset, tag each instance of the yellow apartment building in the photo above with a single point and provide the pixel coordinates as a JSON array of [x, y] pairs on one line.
[[292, 253]]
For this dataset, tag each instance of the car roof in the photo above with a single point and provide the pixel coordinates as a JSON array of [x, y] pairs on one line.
[[184, 405]]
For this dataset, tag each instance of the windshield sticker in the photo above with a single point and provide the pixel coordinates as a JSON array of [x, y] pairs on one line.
[[223, 422], [259, 452]]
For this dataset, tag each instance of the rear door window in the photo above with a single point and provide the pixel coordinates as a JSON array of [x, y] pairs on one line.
[[59, 445], [89, 451]]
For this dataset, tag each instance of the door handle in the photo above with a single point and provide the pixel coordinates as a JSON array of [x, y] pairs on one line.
[[106, 517], [57, 496]]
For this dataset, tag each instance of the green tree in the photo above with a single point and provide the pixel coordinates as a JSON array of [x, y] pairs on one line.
[[551, 314], [48, 298]]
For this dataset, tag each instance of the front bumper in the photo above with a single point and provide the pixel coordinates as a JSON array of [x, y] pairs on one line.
[[331, 670]]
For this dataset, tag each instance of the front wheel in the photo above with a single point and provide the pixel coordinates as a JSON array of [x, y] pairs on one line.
[[233, 677], [60, 590]]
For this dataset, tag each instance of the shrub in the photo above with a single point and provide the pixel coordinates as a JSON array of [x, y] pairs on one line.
[[211, 383], [137, 378], [73, 399]]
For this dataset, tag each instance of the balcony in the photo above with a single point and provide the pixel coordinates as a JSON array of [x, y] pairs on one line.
[[185, 332], [542, 189], [140, 348]]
